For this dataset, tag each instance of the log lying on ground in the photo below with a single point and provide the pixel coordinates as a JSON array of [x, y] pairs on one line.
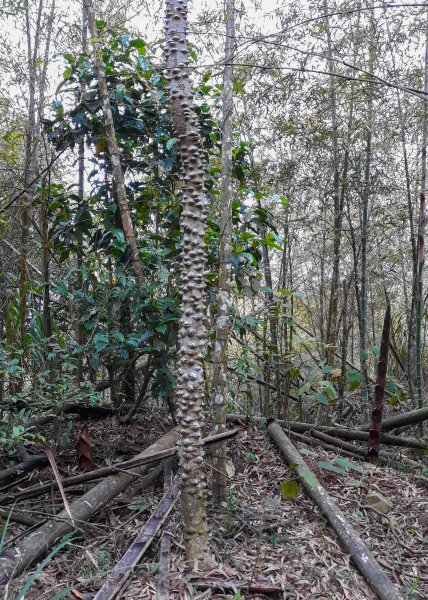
[[385, 458], [32, 462], [347, 434], [311, 441], [258, 586], [15, 560], [365, 561], [39, 490], [18, 517], [405, 419]]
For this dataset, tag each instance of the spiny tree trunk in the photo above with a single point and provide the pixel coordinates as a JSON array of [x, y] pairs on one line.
[[379, 393], [421, 247], [220, 382], [113, 148], [192, 335]]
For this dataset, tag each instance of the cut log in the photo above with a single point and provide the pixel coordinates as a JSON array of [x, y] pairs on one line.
[[15, 560], [347, 434], [309, 440], [39, 490], [262, 586], [32, 462], [405, 419], [363, 558], [124, 568], [18, 517], [386, 457]]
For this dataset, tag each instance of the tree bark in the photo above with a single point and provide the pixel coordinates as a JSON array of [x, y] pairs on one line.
[[192, 329]]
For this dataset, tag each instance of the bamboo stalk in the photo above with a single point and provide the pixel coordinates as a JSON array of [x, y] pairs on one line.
[[363, 558]]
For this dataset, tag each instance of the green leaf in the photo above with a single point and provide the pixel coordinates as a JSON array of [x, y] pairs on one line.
[[329, 467], [101, 341], [364, 355], [289, 488], [321, 399], [162, 328], [250, 457], [171, 143], [354, 380], [308, 476], [308, 452], [349, 465], [375, 350]]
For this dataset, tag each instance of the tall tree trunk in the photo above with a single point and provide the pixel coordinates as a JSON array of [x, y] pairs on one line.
[[421, 246], [192, 334], [113, 148], [80, 335], [364, 237], [337, 202], [220, 385], [30, 169]]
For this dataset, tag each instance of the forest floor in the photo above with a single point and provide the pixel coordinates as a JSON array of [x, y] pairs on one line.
[[257, 535]]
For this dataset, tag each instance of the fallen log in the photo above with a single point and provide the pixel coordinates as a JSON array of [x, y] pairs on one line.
[[311, 441], [38, 490], [14, 561], [124, 568], [363, 558], [347, 434], [32, 462], [386, 457], [18, 517], [412, 417], [257, 586]]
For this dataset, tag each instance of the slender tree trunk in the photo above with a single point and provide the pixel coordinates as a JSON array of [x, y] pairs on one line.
[[337, 203], [192, 334], [80, 336], [30, 168], [344, 345], [421, 246], [114, 151], [379, 394], [220, 381], [364, 238]]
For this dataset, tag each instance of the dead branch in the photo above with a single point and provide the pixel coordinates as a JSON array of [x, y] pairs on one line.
[[39, 490], [15, 560], [124, 568]]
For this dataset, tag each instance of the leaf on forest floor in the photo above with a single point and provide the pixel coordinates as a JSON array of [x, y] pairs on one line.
[[84, 450], [329, 467], [289, 489]]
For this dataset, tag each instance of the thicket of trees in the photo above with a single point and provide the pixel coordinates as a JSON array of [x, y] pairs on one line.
[[211, 221]]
